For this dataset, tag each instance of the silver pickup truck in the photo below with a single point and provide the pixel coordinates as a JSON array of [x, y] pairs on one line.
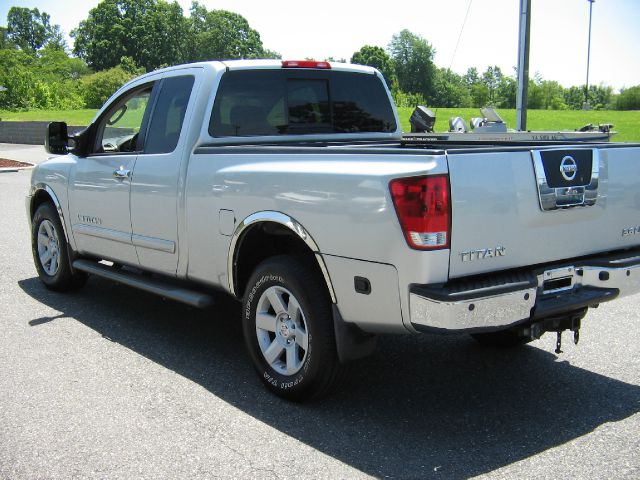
[[287, 185]]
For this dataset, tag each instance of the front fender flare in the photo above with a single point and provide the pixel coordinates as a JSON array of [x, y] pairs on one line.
[[43, 187]]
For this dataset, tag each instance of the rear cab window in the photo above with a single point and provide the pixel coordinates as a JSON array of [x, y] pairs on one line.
[[296, 102]]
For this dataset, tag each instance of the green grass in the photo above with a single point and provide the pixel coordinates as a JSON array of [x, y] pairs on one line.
[[626, 123], [132, 118], [72, 117]]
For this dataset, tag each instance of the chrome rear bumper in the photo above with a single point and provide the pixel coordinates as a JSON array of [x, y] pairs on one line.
[[499, 301]]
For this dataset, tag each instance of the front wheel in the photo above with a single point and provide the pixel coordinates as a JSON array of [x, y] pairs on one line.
[[288, 329], [50, 254]]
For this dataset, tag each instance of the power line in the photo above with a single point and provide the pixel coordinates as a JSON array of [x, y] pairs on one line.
[[464, 22]]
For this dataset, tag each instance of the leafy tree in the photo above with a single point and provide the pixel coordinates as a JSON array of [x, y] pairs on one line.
[[492, 88], [479, 95], [450, 90], [163, 38], [128, 65], [56, 39], [97, 88], [574, 97], [30, 84], [507, 91], [151, 32], [55, 65], [31, 29], [471, 77], [534, 90], [16, 74], [492, 78], [221, 35], [413, 58], [102, 39], [478, 91], [600, 96], [629, 99], [376, 57], [552, 95], [269, 54], [402, 99], [5, 42], [155, 33]]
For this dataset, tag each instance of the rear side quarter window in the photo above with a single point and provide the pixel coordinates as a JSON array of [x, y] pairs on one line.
[[168, 114]]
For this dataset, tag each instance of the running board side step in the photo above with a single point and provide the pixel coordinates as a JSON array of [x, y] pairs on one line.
[[148, 284]]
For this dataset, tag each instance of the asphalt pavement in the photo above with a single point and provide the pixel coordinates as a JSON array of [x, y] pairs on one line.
[[109, 382]]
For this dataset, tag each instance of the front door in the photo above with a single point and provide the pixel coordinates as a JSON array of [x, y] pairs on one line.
[[101, 181]]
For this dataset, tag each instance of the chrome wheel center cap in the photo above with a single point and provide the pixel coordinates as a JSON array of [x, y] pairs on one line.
[[286, 327]]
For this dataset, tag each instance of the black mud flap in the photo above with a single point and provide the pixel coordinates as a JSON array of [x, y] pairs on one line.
[[351, 342]]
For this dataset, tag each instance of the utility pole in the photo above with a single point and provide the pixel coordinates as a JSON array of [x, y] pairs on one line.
[[586, 105], [523, 65]]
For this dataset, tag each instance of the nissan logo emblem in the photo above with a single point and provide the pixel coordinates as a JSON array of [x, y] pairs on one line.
[[568, 168]]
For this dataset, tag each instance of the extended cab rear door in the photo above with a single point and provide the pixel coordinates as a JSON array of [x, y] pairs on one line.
[[155, 185]]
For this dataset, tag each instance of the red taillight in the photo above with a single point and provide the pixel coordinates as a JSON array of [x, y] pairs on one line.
[[424, 211], [305, 64]]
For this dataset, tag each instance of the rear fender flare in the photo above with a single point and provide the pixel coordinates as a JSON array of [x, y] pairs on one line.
[[286, 221]]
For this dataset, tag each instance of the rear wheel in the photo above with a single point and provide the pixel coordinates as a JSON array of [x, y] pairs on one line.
[[501, 339], [288, 329], [50, 254]]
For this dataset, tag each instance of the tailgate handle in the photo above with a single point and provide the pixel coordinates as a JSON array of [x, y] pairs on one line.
[[566, 196]]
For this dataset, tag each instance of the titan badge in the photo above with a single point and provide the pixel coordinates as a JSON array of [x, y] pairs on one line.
[[483, 253]]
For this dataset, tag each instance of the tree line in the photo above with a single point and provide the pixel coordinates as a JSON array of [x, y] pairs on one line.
[[117, 41], [407, 64], [123, 38]]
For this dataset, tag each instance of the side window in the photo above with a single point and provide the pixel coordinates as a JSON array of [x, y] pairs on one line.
[[118, 130], [168, 114]]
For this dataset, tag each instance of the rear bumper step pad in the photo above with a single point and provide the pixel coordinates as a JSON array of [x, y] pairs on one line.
[[500, 301]]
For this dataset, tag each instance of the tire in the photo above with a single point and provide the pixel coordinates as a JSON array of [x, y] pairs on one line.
[[50, 251], [288, 330], [501, 339]]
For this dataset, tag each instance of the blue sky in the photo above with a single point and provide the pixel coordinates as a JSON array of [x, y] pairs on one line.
[[299, 29]]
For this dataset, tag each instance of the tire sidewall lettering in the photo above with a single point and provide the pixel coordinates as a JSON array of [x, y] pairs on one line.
[[268, 374], [262, 281]]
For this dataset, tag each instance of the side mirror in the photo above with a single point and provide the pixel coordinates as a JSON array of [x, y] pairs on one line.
[[56, 140]]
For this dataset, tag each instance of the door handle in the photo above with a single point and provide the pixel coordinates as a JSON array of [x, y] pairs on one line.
[[121, 173]]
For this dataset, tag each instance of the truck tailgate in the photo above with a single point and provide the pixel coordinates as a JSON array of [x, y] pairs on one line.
[[525, 207]]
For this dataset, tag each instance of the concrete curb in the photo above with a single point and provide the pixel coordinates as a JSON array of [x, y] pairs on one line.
[[29, 133]]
